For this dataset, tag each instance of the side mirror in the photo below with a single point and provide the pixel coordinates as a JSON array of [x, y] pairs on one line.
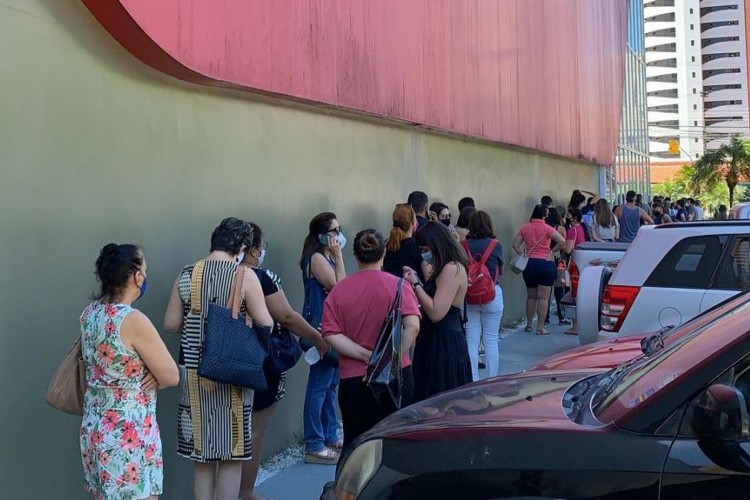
[[720, 413]]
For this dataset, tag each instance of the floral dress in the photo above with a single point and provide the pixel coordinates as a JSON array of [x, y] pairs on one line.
[[120, 443]]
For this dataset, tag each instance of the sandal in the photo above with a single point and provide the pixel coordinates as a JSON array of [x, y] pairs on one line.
[[338, 445], [542, 332], [571, 331], [527, 329], [326, 456]]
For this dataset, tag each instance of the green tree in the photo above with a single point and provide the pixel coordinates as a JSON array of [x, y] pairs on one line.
[[684, 186], [730, 163]]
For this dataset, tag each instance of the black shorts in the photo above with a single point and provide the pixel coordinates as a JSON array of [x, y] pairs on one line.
[[539, 272]]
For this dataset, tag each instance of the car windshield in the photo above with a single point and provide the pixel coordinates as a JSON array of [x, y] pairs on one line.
[[630, 384]]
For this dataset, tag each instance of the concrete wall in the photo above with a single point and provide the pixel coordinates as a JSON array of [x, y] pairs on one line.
[[96, 147]]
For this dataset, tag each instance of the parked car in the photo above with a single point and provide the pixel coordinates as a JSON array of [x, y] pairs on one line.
[[670, 424], [608, 354], [740, 211], [590, 254], [669, 274]]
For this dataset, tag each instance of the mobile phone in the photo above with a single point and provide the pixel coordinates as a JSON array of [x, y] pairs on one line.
[[324, 239]]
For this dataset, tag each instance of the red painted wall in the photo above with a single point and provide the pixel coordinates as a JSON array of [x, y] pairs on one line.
[[542, 74]]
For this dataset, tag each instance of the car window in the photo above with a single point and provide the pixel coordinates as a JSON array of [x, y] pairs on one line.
[[734, 271], [690, 264]]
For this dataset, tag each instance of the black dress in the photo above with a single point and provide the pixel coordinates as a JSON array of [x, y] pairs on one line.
[[441, 355]]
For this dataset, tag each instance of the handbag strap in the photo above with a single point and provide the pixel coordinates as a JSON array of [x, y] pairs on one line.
[[196, 283], [235, 296], [526, 253]]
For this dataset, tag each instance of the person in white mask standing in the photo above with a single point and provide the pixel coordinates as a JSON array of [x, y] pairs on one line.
[[322, 265]]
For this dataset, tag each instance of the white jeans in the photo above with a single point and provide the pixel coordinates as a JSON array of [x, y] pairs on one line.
[[484, 322]]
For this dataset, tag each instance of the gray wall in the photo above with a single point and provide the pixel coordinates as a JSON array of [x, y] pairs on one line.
[[95, 147]]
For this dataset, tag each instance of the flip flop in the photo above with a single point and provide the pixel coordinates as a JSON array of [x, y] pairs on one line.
[[542, 332], [527, 329]]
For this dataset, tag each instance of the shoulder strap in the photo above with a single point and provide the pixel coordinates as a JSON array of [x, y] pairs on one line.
[[196, 282], [235, 296], [465, 244], [535, 245], [488, 252]]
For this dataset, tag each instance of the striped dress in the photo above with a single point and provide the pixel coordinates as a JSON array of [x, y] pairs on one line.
[[213, 419]]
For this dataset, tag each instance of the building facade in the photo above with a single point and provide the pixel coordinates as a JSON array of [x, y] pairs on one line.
[[696, 53], [630, 170], [149, 122]]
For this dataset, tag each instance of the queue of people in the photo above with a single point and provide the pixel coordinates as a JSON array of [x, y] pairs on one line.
[[448, 278]]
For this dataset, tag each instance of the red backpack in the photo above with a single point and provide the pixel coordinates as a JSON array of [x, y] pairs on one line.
[[481, 285]]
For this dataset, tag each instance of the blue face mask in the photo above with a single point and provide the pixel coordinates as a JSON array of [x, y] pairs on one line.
[[427, 257], [143, 286]]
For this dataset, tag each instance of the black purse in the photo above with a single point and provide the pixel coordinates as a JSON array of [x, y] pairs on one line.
[[233, 351], [284, 353], [384, 370]]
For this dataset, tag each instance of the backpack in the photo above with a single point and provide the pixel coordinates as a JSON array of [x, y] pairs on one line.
[[481, 285]]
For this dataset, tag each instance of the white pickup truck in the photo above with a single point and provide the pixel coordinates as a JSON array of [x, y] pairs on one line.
[[668, 275]]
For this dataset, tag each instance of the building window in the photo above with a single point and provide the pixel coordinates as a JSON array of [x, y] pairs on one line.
[[692, 27], [695, 123], [696, 139], [695, 106], [692, 43], [691, 11], [692, 59], [694, 91]]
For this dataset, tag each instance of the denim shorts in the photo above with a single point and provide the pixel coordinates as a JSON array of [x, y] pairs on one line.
[[539, 272]]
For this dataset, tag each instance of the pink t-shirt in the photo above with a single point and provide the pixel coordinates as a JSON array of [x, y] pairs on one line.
[[356, 307], [577, 234], [536, 238]]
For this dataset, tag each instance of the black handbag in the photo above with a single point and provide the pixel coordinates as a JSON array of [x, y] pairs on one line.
[[384, 370], [284, 353], [233, 351]]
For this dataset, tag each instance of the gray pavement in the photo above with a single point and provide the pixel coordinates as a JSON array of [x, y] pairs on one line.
[[299, 481]]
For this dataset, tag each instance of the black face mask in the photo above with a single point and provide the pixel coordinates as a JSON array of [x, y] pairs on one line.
[[446, 222]]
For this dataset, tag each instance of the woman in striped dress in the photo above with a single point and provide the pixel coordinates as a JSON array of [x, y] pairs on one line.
[[214, 420]]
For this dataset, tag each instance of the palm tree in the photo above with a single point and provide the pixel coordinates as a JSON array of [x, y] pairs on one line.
[[730, 163]]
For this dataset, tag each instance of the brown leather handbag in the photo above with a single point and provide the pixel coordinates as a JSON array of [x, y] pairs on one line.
[[68, 385]]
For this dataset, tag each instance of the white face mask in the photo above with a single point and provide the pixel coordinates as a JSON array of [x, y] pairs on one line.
[[342, 240], [240, 257], [262, 257]]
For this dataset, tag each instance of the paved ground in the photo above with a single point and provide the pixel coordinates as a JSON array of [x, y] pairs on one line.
[[300, 481]]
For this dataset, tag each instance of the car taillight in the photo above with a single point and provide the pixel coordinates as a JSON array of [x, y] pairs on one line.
[[574, 275], [616, 304]]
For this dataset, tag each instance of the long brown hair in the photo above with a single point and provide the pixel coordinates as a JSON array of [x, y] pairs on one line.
[[403, 218], [603, 216]]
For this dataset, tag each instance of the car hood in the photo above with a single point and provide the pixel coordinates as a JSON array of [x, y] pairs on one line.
[[601, 355], [520, 401]]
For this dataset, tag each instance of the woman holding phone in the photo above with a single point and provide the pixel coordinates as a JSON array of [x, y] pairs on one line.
[[322, 266]]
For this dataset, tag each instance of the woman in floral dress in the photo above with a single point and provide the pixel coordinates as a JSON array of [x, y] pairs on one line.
[[126, 361]]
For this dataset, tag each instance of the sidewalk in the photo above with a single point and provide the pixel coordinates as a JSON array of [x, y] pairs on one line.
[[296, 480]]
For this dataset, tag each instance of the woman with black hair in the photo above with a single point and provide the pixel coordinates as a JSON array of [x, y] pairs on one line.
[[265, 402], [540, 274], [555, 220], [352, 318], [442, 212], [462, 224], [212, 415], [126, 362], [322, 266], [441, 355]]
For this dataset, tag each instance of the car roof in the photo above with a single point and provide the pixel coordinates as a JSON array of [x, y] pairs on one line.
[[704, 223]]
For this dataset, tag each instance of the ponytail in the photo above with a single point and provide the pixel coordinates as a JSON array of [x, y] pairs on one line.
[[403, 217]]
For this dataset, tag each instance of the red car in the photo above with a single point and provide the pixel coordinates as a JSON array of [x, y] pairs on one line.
[[611, 353], [670, 423]]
